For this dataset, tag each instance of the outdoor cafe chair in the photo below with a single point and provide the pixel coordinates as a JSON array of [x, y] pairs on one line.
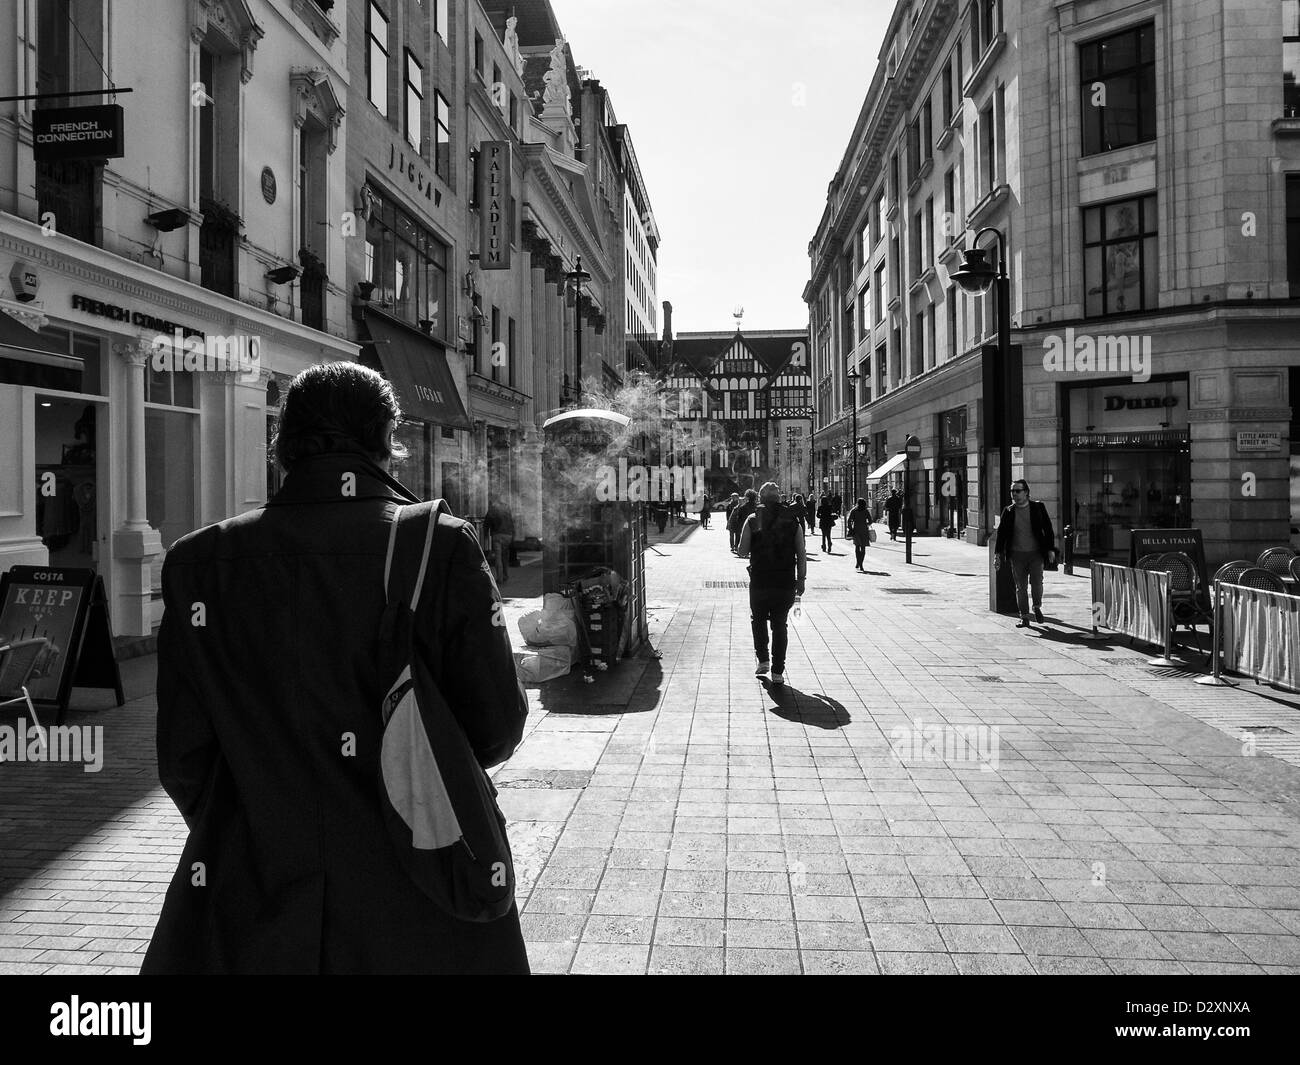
[[1261, 580], [1230, 572], [1149, 562], [1187, 607], [18, 661], [1277, 560], [1295, 568]]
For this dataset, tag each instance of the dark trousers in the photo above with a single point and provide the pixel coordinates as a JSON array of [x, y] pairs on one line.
[[826, 537], [860, 550], [770, 606], [894, 521], [735, 537]]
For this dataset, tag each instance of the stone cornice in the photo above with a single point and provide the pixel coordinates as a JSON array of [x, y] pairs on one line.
[[486, 386], [541, 166], [94, 266]]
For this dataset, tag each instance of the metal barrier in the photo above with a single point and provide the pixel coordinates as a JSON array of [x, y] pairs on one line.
[[1134, 603], [1257, 635]]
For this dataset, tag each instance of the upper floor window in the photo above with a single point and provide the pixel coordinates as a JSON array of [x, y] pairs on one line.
[[442, 136], [986, 23], [377, 57], [1293, 233], [408, 266], [478, 54], [1291, 58], [441, 19], [414, 101], [1120, 260], [1118, 90]]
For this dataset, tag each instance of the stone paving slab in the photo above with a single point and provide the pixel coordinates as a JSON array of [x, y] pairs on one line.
[[716, 824]]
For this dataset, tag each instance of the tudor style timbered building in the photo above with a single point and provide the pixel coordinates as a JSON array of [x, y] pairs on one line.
[[740, 405]]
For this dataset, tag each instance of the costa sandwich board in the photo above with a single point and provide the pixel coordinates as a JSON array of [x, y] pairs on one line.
[[70, 609]]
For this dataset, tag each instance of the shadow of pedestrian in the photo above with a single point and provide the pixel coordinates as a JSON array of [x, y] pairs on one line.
[[804, 708]]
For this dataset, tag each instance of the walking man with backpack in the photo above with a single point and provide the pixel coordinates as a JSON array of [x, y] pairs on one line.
[[773, 542]]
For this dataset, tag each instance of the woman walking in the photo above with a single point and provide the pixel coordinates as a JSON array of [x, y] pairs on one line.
[[859, 527], [826, 519]]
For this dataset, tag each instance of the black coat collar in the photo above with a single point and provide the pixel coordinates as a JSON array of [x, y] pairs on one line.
[[318, 480]]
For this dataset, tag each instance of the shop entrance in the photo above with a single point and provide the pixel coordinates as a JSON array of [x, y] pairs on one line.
[[70, 446]]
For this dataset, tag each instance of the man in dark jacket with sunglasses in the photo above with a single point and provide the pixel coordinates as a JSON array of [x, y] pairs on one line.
[[1026, 542]]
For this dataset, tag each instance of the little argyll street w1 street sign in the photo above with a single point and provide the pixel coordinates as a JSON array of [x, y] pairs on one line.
[[77, 133]]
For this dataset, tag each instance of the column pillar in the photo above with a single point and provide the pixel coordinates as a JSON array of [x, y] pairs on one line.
[[135, 542]]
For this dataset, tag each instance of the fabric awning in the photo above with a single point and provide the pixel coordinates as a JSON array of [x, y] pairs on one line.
[[881, 472], [418, 370]]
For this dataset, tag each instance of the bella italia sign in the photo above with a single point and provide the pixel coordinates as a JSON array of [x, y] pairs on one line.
[[493, 195]]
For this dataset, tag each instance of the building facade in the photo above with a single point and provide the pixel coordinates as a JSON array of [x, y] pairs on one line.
[[159, 294], [1141, 162]]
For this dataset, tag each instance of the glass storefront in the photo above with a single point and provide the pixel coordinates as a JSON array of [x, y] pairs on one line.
[[1129, 464]]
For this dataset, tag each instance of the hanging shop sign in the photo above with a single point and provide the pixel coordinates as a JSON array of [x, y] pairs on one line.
[[493, 195], [1250, 442], [60, 133]]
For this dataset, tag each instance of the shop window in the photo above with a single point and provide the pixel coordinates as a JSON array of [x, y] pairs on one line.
[[1118, 89], [171, 467], [408, 266], [52, 358], [415, 470], [1120, 258]]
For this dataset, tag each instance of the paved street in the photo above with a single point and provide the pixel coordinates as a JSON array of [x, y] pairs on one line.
[[679, 815]]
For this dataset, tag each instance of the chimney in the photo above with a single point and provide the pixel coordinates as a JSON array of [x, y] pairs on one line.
[[668, 321]]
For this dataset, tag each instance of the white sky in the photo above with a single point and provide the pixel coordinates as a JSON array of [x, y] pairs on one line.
[[740, 111]]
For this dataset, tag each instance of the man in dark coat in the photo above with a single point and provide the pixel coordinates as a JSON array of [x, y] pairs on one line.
[[269, 722], [894, 512], [1026, 542], [736, 521], [773, 542]]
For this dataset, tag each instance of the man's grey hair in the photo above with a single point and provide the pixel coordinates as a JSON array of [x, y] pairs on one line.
[[771, 490]]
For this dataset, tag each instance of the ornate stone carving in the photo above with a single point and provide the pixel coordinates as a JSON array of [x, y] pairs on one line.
[[556, 95], [134, 352], [233, 21], [511, 43], [314, 96]]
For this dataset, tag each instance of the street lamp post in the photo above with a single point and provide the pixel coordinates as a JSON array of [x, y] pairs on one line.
[[976, 276], [853, 377], [578, 277], [913, 451]]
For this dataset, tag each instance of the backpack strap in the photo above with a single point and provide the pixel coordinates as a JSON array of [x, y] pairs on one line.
[[404, 516]]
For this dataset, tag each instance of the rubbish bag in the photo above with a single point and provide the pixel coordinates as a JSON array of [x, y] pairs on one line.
[[558, 625], [546, 663]]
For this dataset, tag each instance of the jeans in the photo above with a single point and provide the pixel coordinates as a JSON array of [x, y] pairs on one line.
[[1027, 568], [770, 605], [735, 538], [826, 537], [860, 552]]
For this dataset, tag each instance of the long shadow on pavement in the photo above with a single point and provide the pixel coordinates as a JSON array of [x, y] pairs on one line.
[[805, 708]]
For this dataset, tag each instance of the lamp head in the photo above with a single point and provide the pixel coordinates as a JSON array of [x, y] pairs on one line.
[[976, 274]]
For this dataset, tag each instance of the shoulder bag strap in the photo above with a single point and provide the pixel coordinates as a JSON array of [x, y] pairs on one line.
[[417, 585]]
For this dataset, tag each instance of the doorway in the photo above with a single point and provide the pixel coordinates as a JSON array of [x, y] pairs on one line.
[[71, 444]]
